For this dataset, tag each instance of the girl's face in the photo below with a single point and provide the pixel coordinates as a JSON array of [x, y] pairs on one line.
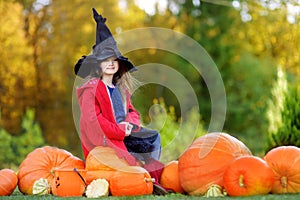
[[109, 66]]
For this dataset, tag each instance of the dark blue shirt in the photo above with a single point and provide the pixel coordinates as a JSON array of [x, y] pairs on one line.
[[117, 102]]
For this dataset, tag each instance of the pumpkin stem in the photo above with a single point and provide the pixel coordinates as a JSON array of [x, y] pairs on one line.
[[241, 181], [283, 181], [150, 180], [52, 171]]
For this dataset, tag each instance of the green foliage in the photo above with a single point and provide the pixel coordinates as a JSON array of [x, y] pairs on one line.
[[275, 104], [176, 134], [247, 100], [15, 148], [6, 152], [287, 131]]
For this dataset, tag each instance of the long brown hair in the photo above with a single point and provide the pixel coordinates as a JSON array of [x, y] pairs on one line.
[[124, 80], [96, 72]]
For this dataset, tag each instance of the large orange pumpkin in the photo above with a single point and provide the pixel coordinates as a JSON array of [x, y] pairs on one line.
[[103, 162], [41, 162], [248, 175], [204, 162], [169, 177], [8, 182], [285, 162], [131, 181]]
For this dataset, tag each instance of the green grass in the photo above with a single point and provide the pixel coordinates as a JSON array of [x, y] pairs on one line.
[[17, 195]]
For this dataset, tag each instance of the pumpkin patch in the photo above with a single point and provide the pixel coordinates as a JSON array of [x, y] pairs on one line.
[[214, 165], [248, 175]]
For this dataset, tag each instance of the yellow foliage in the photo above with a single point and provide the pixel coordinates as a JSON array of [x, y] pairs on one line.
[[16, 71]]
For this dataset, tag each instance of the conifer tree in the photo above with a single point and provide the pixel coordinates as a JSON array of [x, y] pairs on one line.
[[284, 121]]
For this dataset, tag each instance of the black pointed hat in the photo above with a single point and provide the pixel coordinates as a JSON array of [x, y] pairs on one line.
[[106, 45], [104, 48]]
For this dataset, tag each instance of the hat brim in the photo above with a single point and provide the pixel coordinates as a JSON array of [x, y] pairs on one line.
[[126, 63], [84, 65]]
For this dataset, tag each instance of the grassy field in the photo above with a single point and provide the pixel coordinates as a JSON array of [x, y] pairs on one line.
[[19, 196]]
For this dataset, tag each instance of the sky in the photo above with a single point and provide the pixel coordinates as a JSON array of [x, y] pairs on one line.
[[149, 5]]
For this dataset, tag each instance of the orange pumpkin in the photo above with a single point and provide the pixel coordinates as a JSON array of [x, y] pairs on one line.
[[8, 182], [285, 162], [131, 181], [41, 162], [248, 175], [204, 162], [68, 182], [103, 162], [169, 177]]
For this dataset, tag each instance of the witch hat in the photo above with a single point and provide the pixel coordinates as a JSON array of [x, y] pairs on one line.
[[106, 45], [104, 48]]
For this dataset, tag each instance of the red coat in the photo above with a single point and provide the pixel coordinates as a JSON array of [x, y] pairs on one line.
[[98, 126]]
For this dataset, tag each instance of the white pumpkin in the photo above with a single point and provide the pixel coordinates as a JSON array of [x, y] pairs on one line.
[[97, 188], [41, 187]]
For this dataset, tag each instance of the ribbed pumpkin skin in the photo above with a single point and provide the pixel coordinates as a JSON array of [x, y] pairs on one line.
[[285, 162], [8, 182], [247, 176], [104, 158], [41, 162], [170, 178], [205, 161], [131, 181], [103, 162]]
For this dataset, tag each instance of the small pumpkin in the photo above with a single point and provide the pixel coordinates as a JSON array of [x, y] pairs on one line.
[[8, 182], [41, 162], [97, 188], [169, 177], [247, 176], [131, 181], [41, 187], [203, 163], [103, 162], [285, 162], [215, 191]]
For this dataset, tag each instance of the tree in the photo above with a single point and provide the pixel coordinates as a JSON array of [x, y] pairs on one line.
[[16, 72], [218, 29], [14, 149], [284, 126], [270, 33], [41, 41]]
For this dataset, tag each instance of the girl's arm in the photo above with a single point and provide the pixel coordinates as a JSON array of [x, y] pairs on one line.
[[133, 117], [91, 111]]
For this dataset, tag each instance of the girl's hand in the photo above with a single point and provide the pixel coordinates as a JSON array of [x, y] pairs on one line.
[[128, 128]]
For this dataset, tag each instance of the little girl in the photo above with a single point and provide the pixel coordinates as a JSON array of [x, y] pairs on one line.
[[108, 117]]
